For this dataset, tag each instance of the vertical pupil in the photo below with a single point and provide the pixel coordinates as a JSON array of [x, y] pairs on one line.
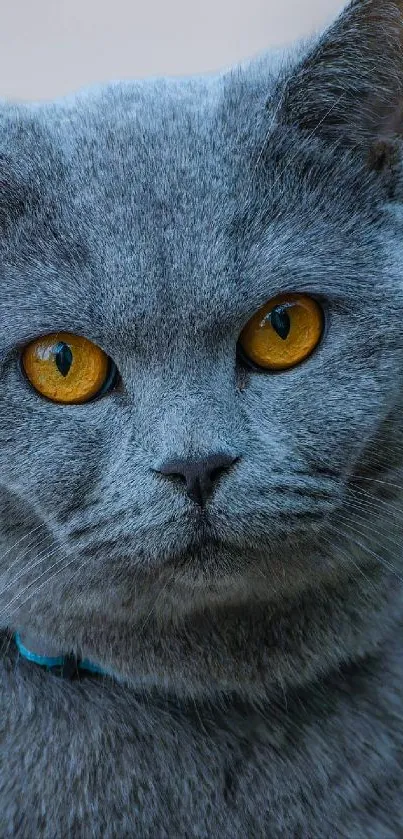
[[63, 358], [280, 321]]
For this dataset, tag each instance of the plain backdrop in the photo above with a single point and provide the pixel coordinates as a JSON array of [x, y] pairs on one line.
[[52, 47]]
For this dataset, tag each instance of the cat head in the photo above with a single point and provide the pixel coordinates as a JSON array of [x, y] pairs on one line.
[[176, 225]]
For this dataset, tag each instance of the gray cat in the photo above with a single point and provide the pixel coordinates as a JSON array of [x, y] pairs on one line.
[[201, 450]]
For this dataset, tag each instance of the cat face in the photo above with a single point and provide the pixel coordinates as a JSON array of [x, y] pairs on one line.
[[154, 220]]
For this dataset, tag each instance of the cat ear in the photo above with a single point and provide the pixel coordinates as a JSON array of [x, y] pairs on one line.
[[349, 89]]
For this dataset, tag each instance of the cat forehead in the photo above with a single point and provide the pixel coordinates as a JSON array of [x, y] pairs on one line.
[[155, 139], [148, 137], [137, 200], [134, 188]]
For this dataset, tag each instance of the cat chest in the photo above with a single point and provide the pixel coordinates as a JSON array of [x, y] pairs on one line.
[[82, 762]]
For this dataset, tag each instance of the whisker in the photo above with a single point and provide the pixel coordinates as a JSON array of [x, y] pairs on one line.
[[347, 556], [20, 593], [376, 501], [19, 605], [370, 530], [370, 506], [378, 481], [39, 557], [266, 137], [376, 556], [18, 542]]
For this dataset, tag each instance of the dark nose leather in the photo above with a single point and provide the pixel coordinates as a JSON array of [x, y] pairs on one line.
[[198, 476]]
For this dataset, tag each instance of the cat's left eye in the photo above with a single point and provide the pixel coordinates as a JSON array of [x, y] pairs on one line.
[[68, 368], [284, 333]]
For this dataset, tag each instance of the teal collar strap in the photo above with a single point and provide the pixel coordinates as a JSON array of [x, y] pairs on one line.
[[67, 666]]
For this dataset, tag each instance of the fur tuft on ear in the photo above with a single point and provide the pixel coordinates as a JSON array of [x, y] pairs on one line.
[[349, 88]]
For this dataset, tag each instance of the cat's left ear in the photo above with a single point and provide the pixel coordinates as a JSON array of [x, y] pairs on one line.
[[349, 88]]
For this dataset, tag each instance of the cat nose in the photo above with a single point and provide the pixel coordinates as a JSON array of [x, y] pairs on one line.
[[198, 476]]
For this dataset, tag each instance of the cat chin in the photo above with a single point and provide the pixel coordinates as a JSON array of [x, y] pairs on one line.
[[204, 580]]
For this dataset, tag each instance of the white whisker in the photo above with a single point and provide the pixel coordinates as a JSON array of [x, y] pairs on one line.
[[18, 542], [19, 594]]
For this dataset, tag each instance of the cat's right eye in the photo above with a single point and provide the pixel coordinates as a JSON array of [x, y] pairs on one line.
[[68, 368]]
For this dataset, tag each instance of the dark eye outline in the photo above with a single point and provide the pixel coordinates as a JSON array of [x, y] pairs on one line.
[[247, 363], [112, 380]]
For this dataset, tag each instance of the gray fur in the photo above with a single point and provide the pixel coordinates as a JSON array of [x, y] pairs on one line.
[[256, 646]]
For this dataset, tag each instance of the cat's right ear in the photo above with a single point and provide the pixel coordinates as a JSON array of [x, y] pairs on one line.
[[349, 88]]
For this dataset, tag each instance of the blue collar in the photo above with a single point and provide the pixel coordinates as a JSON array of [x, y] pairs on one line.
[[67, 666]]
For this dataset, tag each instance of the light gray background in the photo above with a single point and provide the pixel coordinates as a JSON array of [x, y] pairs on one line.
[[50, 47]]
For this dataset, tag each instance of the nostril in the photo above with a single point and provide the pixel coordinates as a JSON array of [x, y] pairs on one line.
[[215, 474], [175, 477], [217, 471]]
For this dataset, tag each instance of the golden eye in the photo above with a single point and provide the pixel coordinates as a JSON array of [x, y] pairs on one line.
[[283, 333], [67, 368]]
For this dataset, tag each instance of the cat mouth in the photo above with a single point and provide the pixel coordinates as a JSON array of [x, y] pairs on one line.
[[200, 537], [200, 529]]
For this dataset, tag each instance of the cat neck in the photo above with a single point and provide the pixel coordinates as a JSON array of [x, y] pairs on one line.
[[252, 651], [47, 655]]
